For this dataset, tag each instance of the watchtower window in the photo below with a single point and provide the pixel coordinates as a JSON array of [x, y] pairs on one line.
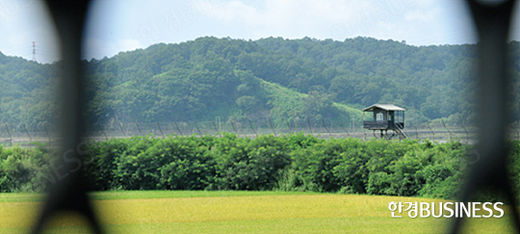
[[379, 116], [399, 116]]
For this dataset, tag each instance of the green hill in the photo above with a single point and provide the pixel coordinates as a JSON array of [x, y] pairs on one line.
[[272, 78], [291, 105]]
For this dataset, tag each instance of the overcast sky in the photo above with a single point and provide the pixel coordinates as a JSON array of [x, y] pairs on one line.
[[122, 25]]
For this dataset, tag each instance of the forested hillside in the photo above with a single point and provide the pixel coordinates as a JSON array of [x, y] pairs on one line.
[[280, 79]]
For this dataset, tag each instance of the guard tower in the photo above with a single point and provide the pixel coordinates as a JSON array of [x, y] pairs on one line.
[[384, 117]]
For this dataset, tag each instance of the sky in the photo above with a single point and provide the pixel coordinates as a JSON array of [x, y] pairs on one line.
[[123, 25]]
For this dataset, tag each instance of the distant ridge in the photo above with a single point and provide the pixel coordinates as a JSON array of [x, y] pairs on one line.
[[322, 80]]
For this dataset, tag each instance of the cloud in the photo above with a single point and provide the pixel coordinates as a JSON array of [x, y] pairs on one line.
[[418, 22], [290, 18]]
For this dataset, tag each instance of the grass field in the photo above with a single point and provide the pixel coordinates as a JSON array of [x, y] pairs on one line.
[[235, 212]]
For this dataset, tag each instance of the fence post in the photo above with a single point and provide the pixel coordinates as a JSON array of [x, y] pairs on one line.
[[309, 126], [416, 130], [271, 125], [27, 132], [444, 125], [198, 129], [160, 129], [219, 124], [121, 128], [289, 127], [216, 128], [251, 126], [466, 131], [10, 136], [176, 127], [138, 128], [346, 131], [433, 133], [324, 126], [48, 135], [234, 128]]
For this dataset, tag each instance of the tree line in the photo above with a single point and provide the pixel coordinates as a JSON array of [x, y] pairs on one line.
[[244, 80], [294, 162]]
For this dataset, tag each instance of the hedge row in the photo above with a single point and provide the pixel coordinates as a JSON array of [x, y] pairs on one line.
[[296, 162]]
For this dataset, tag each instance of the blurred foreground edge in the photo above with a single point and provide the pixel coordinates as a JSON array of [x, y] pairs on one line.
[[492, 20], [69, 192]]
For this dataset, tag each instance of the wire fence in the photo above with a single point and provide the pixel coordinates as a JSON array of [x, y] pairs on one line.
[[438, 131]]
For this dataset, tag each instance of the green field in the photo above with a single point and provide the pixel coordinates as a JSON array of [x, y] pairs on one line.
[[234, 212]]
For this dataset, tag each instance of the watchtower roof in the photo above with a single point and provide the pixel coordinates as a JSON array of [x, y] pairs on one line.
[[387, 107]]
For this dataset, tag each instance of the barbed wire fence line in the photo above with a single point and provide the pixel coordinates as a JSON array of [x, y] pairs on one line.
[[438, 131]]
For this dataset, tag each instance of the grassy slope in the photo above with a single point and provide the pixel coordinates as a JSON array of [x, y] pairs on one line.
[[292, 100], [238, 212]]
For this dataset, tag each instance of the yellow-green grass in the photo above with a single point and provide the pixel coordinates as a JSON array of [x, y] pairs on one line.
[[235, 212]]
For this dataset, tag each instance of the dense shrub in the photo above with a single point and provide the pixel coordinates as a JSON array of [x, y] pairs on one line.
[[183, 163], [314, 166], [24, 169], [249, 164], [295, 162]]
